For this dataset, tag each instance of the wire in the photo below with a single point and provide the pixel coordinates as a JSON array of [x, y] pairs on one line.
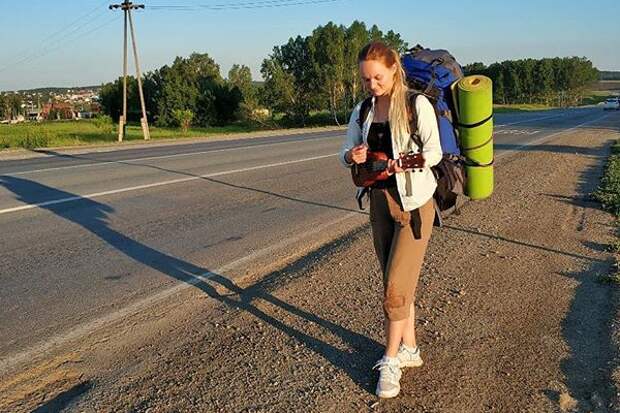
[[33, 57], [239, 6], [79, 19], [51, 37]]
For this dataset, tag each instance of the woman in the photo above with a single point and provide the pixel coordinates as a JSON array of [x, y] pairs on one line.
[[401, 207]]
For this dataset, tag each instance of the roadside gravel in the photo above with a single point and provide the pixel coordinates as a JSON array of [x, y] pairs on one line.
[[511, 315]]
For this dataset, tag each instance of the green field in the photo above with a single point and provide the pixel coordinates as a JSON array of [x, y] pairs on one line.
[[524, 107], [88, 132], [592, 97]]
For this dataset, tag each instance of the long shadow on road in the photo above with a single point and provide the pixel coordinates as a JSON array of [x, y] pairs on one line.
[[208, 179], [93, 216]]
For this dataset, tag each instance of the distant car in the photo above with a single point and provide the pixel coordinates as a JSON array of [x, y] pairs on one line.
[[611, 104]]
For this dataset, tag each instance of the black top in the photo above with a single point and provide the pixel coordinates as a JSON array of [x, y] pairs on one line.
[[380, 140]]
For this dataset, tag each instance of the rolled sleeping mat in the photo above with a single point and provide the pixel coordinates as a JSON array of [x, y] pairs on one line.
[[479, 183], [474, 102]]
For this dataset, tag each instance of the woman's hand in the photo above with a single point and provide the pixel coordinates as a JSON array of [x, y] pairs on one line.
[[357, 154], [393, 167]]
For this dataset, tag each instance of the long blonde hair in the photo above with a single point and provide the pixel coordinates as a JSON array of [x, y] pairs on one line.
[[398, 114]]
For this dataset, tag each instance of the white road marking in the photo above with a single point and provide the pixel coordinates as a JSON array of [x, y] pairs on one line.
[[530, 120], [150, 158], [548, 137], [156, 184], [518, 132], [79, 331]]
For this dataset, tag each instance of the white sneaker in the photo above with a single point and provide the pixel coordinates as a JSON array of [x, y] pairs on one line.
[[409, 357], [389, 377]]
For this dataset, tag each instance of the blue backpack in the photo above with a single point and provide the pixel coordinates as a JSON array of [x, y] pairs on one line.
[[432, 73]]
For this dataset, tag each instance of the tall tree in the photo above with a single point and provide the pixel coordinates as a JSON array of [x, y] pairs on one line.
[[240, 77], [326, 47], [190, 84], [111, 96], [356, 37], [394, 40], [293, 59], [374, 33], [279, 87]]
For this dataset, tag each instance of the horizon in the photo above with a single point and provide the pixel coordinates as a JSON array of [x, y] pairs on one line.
[[64, 46]]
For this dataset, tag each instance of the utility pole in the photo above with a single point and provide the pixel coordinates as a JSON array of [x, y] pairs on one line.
[[127, 7]]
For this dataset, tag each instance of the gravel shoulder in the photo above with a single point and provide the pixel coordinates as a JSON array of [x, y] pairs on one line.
[[511, 317]]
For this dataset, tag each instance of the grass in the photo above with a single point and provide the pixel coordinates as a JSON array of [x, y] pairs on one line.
[[522, 107], [608, 194], [597, 96], [592, 97], [98, 131], [86, 132]]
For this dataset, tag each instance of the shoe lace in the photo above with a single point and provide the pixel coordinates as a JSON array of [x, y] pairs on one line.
[[408, 352], [387, 369]]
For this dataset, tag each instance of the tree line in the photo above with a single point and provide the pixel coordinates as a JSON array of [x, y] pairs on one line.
[[311, 76], [556, 81], [307, 74]]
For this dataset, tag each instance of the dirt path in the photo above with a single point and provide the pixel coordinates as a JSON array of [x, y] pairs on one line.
[[511, 316]]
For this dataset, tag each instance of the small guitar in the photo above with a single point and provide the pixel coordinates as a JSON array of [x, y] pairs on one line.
[[375, 167]]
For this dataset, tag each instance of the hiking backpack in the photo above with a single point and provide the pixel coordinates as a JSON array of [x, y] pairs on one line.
[[432, 73]]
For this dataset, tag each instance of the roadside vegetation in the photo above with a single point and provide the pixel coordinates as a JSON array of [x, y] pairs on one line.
[[523, 107], [608, 194], [85, 132], [104, 131]]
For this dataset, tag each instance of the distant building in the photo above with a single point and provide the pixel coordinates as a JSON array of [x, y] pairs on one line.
[[34, 115], [57, 111], [84, 114]]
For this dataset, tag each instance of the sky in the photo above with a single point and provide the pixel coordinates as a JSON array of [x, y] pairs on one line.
[[79, 42]]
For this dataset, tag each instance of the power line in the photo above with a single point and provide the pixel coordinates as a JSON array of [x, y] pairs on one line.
[[240, 6], [49, 38], [46, 52], [79, 19], [44, 47]]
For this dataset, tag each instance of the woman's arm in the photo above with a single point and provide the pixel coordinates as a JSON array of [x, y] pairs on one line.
[[428, 130], [354, 136]]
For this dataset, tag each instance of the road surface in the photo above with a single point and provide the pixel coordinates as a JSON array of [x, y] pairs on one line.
[[87, 239]]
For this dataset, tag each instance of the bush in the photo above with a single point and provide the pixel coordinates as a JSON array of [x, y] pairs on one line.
[[105, 123], [183, 118]]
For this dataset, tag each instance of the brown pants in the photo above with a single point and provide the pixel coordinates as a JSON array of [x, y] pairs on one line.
[[400, 254]]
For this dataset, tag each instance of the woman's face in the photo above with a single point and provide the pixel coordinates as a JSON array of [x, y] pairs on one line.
[[377, 77]]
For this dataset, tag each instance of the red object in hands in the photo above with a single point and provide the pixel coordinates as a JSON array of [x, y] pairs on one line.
[[375, 167]]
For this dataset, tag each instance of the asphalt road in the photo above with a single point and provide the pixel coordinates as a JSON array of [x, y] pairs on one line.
[[87, 238]]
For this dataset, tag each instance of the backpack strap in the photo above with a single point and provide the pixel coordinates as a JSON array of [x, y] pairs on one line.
[[413, 119], [364, 111]]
